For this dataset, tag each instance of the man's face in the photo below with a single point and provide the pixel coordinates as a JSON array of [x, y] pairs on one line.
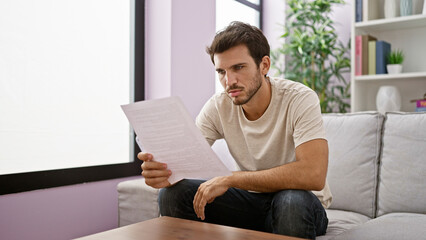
[[238, 73]]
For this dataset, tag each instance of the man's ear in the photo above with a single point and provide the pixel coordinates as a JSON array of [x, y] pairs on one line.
[[265, 65]]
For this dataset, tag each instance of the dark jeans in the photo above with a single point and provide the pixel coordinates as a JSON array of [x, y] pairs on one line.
[[289, 212]]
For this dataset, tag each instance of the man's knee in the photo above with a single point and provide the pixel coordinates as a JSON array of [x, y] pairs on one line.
[[298, 213], [176, 200], [290, 202]]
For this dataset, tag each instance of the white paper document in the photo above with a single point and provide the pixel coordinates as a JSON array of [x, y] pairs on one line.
[[166, 130]]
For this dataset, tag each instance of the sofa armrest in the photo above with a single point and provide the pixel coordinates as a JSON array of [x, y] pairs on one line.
[[136, 202]]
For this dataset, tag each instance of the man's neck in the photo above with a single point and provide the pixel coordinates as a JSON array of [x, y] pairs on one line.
[[257, 106]]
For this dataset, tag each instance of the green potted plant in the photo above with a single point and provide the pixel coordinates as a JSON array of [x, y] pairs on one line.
[[312, 53], [395, 60]]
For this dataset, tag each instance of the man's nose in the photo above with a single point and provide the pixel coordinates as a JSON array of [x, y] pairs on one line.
[[230, 79]]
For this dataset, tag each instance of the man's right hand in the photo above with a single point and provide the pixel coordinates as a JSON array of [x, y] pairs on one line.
[[156, 174]]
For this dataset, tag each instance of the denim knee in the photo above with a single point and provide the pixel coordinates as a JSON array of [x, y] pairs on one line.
[[298, 213], [176, 200]]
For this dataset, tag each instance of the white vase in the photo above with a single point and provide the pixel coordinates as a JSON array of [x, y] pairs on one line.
[[406, 7], [388, 99], [394, 68], [391, 8], [424, 7]]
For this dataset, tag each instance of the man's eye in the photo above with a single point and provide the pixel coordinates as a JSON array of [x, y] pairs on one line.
[[238, 67], [220, 72]]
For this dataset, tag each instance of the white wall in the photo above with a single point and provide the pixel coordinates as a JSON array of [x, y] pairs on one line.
[[273, 24], [273, 21]]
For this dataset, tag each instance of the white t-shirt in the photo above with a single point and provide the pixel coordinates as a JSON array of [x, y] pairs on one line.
[[292, 118]]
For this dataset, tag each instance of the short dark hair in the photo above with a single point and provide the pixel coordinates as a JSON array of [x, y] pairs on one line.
[[238, 33]]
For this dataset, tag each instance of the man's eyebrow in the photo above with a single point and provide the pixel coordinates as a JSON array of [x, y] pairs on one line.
[[232, 66], [238, 64]]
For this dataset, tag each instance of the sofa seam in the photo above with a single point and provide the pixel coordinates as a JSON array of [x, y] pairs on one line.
[[381, 120]]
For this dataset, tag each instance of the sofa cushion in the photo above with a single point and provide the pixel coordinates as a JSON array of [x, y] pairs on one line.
[[136, 202], [341, 221], [354, 145], [402, 186], [398, 226]]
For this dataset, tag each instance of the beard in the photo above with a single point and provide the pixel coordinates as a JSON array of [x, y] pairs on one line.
[[250, 91]]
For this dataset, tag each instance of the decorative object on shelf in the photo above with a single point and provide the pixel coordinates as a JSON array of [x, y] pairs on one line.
[[395, 60], [424, 7], [313, 53], [391, 9], [388, 99], [394, 68], [406, 7], [420, 104]]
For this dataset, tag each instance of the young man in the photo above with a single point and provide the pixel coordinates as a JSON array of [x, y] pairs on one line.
[[274, 131]]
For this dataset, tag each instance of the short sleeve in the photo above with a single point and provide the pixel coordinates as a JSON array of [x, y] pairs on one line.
[[209, 123], [306, 118]]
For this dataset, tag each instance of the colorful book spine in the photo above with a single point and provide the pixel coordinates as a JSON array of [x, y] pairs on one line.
[[372, 57], [421, 105], [358, 49], [358, 11], [383, 49], [361, 54]]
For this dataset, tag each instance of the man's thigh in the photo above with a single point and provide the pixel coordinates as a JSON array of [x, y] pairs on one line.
[[237, 208]]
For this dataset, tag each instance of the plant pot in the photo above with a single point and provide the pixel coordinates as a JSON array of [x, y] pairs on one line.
[[394, 68], [388, 99]]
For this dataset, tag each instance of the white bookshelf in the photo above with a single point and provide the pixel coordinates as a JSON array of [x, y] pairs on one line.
[[411, 75], [407, 33], [413, 21]]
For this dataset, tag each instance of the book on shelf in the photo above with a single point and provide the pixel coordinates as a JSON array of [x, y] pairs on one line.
[[361, 53], [420, 104], [358, 10], [366, 10], [370, 10], [372, 57], [383, 49]]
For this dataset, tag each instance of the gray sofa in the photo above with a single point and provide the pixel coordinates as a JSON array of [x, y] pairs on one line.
[[377, 174]]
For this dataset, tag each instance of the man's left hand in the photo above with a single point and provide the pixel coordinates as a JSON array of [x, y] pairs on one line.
[[207, 192]]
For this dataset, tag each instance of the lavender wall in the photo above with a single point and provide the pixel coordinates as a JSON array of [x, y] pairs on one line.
[[176, 61], [193, 74], [176, 34], [60, 213], [158, 43]]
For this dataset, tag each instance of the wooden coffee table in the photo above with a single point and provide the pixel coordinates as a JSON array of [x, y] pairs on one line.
[[179, 229]]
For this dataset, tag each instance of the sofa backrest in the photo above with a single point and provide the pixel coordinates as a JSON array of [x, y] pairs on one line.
[[354, 149], [402, 181]]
